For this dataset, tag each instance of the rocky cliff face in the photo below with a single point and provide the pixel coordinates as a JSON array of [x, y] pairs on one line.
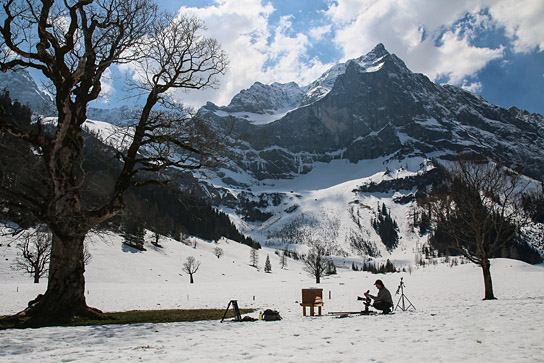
[[371, 107]]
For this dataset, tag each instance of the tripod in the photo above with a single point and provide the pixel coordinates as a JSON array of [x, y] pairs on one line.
[[403, 298]]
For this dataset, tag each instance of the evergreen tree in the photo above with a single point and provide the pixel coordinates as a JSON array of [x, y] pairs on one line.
[[267, 265], [133, 232], [253, 255], [283, 259], [331, 268]]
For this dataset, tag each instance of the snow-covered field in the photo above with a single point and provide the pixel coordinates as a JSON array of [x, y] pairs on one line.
[[451, 323]]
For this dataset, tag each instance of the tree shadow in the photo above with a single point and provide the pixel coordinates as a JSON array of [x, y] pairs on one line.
[[127, 248]]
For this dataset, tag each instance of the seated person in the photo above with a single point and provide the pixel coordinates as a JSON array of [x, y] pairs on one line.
[[383, 301]]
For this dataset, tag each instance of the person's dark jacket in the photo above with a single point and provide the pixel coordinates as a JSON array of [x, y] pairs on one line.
[[384, 296]]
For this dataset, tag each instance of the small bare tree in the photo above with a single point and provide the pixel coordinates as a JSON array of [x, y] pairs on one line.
[[34, 253], [191, 267], [479, 207], [320, 238], [218, 252], [316, 262]]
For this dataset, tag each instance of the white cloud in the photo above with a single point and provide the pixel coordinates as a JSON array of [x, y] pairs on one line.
[[107, 88], [523, 22], [318, 33], [454, 59], [474, 87], [436, 37], [257, 49]]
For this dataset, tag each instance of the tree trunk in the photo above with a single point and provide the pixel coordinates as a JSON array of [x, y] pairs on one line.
[[65, 295], [488, 284], [36, 277], [191, 278], [317, 278]]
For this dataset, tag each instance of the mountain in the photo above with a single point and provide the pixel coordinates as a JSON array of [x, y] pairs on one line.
[[355, 146], [361, 137], [374, 106]]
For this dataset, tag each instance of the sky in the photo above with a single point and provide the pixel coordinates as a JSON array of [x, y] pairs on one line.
[[494, 48]]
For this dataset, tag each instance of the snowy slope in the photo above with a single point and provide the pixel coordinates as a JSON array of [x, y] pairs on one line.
[[328, 192], [451, 323]]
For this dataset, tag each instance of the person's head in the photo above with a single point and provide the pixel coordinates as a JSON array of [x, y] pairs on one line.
[[378, 284]]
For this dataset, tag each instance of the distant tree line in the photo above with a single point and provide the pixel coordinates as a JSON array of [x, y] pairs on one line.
[[376, 268]]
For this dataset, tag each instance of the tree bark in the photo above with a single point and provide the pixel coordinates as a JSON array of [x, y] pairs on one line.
[[64, 298], [488, 284]]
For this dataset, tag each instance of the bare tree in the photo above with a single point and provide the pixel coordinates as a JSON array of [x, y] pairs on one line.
[[218, 252], [479, 207], [191, 267], [73, 44], [316, 261], [320, 239], [87, 257], [34, 253]]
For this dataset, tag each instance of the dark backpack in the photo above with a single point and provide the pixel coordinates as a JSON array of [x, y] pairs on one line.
[[271, 315]]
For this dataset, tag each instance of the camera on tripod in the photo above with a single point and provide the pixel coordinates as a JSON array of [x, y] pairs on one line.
[[367, 300]]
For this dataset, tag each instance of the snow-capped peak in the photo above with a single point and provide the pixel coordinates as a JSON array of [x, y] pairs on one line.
[[370, 62]]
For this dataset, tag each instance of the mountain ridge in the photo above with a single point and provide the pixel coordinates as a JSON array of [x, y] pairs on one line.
[[376, 107], [315, 152]]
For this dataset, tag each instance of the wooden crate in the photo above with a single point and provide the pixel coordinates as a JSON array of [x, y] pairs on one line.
[[309, 295]]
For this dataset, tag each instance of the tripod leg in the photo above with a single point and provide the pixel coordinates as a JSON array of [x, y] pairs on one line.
[[412, 305], [226, 311], [399, 303]]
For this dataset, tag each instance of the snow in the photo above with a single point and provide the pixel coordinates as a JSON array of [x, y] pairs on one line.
[[113, 135], [451, 323], [118, 137], [257, 118]]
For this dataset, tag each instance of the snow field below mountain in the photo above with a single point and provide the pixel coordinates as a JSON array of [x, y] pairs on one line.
[[327, 191], [451, 323], [257, 118]]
